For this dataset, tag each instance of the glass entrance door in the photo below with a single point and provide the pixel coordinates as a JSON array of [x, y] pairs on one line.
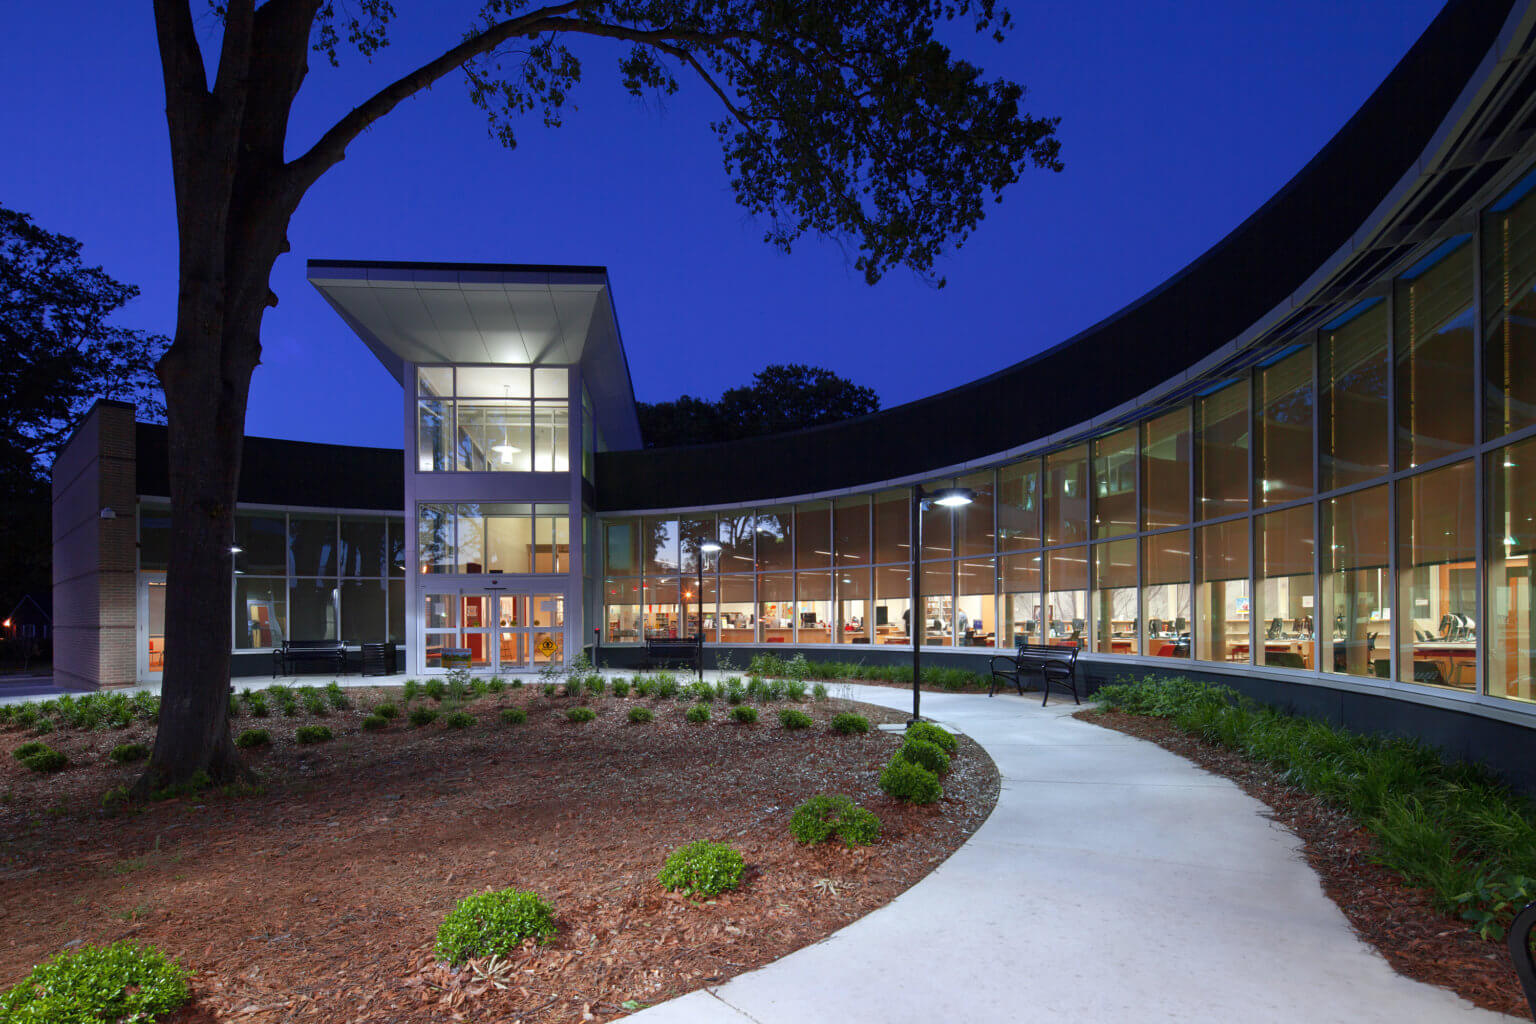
[[512, 632], [494, 629]]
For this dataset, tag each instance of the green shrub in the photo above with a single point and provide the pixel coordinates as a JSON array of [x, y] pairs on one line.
[[46, 760], [789, 718], [697, 714], [516, 684], [493, 924], [797, 669], [514, 716], [25, 716], [312, 733], [639, 715], [746, 714], [253, 738], [436, 689], [929, 755], [932, 734], [702, 869], [410, 690], [794, 689], [621, 687], [459, 720], [495, 685], [596, 684], [386, 710], [28, 749], [667, 685], [338, 697], [907, 781], [314, 704], [819, 692], [766, 665], [423, 716], [125, 753], [700, 692], [478, 687], [778, 689], [114, 798], [92, 984], [234, 706], [43, 727], [290, 708], [824, 816], [580, 714], [373, 723], [849, 723], [257, 706], [549, 689]]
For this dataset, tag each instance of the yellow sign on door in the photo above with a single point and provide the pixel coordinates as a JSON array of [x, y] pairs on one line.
[[548, 645]]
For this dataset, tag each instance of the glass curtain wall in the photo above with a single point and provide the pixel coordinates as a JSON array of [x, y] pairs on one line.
[[1221, 591], [1437, 577], [1510, 604], [1357, 591], [1165, 598], [1283, 591], [1115, 620], [492, 419]]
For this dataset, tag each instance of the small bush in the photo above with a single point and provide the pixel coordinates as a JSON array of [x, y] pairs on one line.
[[409, 693], [789, 718], [435, 689], [514, 716], [907, 781], [478, 688], [596, 684], [253, 738], [312, 733], [548, 689], [386, 710], [824, 816], [794, 689], [46, 760], [290, 708], [126, 753], [114, 798], [932, 734], [122, 981], [667, 685], [697, 714], [516, 684], [44, 727], [495, 684], [338, 698], [373, 723], [746, 714], [849, 723], [459, 720], [621, 687], [639, 715], [819, 691], [257, 706], [28, 749], [314, 704], [702, 869], [580, 714], [423, 716], [929, 755], [493, 924]]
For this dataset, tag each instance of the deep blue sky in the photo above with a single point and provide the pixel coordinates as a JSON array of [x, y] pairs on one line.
[[1178, 120]]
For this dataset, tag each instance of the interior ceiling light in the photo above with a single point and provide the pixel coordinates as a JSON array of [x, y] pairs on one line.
[[506, 449]]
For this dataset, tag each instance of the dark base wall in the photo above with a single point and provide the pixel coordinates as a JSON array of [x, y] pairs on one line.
[[246, 666]]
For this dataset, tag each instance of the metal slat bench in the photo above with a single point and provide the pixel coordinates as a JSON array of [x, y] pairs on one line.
[[332, 652], [1054, 664], [665, 650]]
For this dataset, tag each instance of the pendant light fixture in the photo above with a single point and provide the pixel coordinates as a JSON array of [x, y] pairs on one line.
[[506, 449]]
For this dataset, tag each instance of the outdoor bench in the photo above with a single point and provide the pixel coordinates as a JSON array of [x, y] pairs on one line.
[[1054, 664], [332, 652], [686, 649]]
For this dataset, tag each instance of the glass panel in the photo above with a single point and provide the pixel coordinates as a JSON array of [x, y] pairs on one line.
[[1166, 593], [552, 437], [813, 535], [938, 603], [434, 381], [312, 546], [662, 553], [1018, 506], [547, 612], [1283, 594], [493, 437], [434, 645], [478, 616], [440, 611], [1221, 432], [396, 555], [260, 613], [893, 512], [434, 538], [363, 611], [851, 522], [975, 604], [1165, 469], [1433, 324], [312, 610], [893, 603], [659, 597], [937, 522], [737, 535], [1509, 311], [1114, 484], [775, 607], [154, 599], [552, 544], [1115, 630], [469, 529], [1066, 498], [710, 607], [551, 382], [973, 523], [622, 612], [493, 381], [1437, 578], [262, 541], [1357, 596], [621, 538], [1019, 583], [1282, 455], [1352, 411], [813, 607], [1221, 592], [1066, 595], [692, 532], [855, 616], [434, 433], [396, 611], [775, 538], [738, 611], [362, 547], [509, 542], [692, 605], [1511, 602]]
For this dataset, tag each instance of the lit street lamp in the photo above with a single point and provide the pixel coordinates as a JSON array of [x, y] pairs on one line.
[[950, 498]]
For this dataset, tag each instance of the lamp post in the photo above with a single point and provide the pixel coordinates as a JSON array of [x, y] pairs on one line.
[[951, 498], [708, 547]]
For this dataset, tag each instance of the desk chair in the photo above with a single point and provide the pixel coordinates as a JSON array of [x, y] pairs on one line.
[[1274, 630], [1077, 627], [1154, 627], [1180, 625]]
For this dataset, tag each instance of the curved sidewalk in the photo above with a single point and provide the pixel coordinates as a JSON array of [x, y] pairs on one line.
[[1113, 882]]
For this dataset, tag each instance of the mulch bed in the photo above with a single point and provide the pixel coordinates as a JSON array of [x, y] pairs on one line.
[[1399, 921], [318, 899]]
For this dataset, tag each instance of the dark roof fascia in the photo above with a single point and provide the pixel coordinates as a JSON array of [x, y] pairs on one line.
[[450, 267]]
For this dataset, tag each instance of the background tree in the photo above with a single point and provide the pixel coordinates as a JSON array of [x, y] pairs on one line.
[[847, 119], [60, 355], [780, 397]]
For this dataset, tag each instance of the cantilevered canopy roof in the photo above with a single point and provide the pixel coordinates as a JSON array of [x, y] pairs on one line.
[[489, 313]]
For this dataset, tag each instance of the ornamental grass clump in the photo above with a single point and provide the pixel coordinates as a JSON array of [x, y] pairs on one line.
[[931, 733], [386, 710], [39, 757], [127, 753], [827, 815], [929, 755], [789, 718], [408, 692], [514, 716], [911, 782], [697, 714], [120, 982], [745, 714], [423, 716], [253, 738], [639, 715], [580, 715], [702, 869], [849, 724], [459, 720], [493, 924], [28, 749], [373, 723], [621, 687], [312, 733]]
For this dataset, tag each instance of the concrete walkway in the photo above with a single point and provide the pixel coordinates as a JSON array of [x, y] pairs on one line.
[[1113, 882]]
